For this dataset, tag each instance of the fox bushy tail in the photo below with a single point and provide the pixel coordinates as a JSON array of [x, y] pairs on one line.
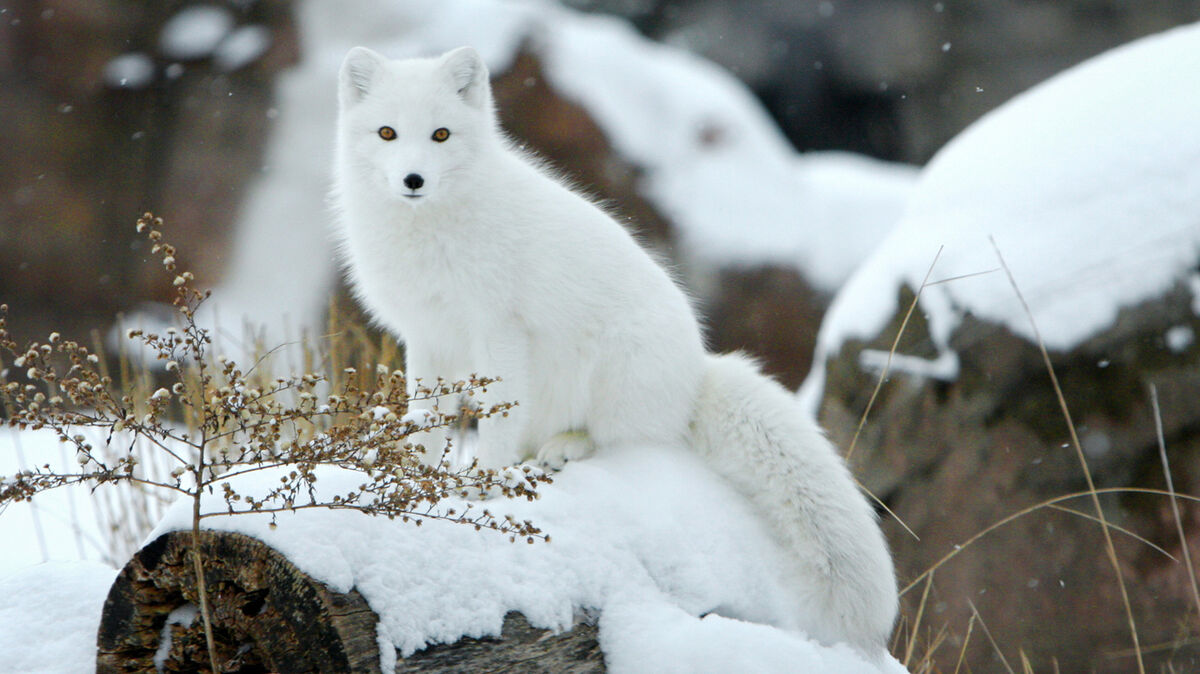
[[751, 430]]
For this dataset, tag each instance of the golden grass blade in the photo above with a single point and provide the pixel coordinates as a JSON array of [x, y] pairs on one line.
[[886, 509], [916, 628], [962, 653], [862, 421], [1115, 527], [988, 633], [925, 664], [1109, 548], [1026, 665], [1162, 453]]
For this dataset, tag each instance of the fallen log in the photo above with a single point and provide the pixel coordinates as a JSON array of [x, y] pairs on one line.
[[268, 616]]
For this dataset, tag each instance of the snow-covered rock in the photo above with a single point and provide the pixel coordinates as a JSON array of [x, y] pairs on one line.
[[1090, 186]]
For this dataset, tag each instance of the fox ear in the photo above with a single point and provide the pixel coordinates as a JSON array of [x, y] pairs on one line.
[[357, 74], [470, 76]]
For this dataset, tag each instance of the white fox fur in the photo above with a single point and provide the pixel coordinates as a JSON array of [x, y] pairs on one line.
[[483, 262]]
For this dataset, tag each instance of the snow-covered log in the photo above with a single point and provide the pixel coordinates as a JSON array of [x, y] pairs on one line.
[[266, 613], [270, 616]]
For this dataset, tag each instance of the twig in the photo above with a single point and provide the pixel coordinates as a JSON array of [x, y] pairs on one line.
[[886, 509], [1162, 453]]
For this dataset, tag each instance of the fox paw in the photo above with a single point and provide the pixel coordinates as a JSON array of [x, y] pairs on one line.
[[564, 447]]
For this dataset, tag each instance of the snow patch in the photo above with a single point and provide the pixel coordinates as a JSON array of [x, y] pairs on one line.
[[49, 616], [180, 615], [131, 70], [1179, 338], [942, 368], [194, 32], [241, 48]]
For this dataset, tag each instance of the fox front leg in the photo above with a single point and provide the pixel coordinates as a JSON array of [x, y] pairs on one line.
[[428, 407]]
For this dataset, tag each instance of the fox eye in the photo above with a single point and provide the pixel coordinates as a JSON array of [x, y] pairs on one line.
[[387, 133], [441, 134]]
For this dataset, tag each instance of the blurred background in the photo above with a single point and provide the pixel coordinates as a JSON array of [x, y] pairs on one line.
[[218, 117], [113, 107]]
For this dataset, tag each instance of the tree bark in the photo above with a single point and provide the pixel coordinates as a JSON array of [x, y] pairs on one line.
[[268, 616], [521, 649]]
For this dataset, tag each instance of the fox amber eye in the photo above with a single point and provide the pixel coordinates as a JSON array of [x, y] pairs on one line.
[[441, 134], [387, 133]]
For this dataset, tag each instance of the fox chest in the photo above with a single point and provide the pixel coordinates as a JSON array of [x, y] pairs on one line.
[[411, 281]]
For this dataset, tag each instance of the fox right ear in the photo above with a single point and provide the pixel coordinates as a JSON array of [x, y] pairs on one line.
[[357, 74], [469, 75]]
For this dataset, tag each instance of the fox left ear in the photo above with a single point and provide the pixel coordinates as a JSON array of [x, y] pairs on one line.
[[358, 74], [470, 76]]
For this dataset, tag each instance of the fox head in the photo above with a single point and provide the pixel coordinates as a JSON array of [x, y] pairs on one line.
[[410, 127]]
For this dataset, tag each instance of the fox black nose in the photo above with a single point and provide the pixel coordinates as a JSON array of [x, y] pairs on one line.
[[413, 181]]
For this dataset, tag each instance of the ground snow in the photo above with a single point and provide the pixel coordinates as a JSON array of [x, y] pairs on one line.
[[58, 525], [650, 539], [1090, 186], [49, 615], [649, 534]]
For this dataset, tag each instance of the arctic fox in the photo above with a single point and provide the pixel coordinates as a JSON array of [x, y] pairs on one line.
[[484, 262]]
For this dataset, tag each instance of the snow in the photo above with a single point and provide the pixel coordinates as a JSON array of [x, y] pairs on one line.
[[643, 635], [683, 576], [181, 615], [1179, 338], [194, 32], [69, 523], [712, 160], [1090, 186], [241, 48], [49, 615], [131, 70], [56, 525]]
